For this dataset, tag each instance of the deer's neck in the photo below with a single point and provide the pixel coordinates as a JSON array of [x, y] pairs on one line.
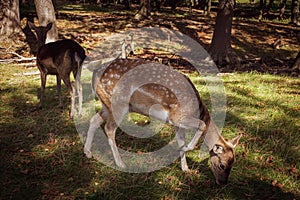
[[212, 136]]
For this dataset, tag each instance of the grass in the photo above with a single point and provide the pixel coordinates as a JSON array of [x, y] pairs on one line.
[[42, 156]]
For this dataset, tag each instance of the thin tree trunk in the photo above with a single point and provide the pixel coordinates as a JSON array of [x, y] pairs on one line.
[[127, 4], [295, 15], [10, 17], [270, 5], [220, 49], [174, 5], [144, 12], [282, 9], [208, 7], [45, 12], [296, 64], [262, 8]]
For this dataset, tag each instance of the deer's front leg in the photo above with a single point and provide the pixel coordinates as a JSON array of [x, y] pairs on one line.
[[180, 136], [198, 134], [43, 86], [193, 123], [95, 123], [110, 130]]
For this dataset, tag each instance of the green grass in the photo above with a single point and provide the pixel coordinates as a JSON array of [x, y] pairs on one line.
[[42, 156]]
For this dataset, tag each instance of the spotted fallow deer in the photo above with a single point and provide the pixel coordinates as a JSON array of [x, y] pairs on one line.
[[59, 58], [156, 91]]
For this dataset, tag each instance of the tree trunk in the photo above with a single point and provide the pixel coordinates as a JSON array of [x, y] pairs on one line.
[[295, 15], [10, 17], [45, 12], [282, 9], [127, 4], [296, 64], [174, 5], [207, 7], [144, 12], [157, 4], [220, 49], [262, 8], [269, 8]]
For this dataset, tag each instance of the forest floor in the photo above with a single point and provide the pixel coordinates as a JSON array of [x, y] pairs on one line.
[[42, 153], [252, 40]]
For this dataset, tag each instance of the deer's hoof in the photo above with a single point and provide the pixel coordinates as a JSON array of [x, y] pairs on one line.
[[87, 153], [185, 169], [121, 164]]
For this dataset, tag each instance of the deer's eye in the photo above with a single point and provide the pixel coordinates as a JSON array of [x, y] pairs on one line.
[[222, 167]]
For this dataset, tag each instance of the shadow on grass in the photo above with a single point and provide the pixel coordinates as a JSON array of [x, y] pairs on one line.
[[40, 152], [41, 157]]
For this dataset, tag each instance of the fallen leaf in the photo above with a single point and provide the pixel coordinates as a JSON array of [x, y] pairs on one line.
[[274, 182]]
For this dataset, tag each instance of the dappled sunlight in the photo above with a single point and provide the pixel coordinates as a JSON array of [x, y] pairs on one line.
[[42, 153]]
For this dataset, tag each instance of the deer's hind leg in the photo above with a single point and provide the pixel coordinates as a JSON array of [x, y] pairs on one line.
[[110, 130], [71, 89], [180, 137], [58, 87], [77, 68]]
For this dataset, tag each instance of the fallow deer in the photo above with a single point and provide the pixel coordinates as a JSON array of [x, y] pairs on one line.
[[156, 91], [59, 58]]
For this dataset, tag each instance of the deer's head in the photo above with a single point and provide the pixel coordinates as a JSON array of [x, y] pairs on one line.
[[222, 158], [40, 31]]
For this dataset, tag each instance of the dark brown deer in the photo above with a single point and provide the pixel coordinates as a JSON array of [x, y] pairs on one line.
[[59, 58], [157, 91]]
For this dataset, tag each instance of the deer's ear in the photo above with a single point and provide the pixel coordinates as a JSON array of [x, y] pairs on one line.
[[218, 149], [49, 26], [235, 140], [31, 25]]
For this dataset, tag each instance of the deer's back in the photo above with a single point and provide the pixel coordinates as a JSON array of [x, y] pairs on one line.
[[59, 54], [170, 102]]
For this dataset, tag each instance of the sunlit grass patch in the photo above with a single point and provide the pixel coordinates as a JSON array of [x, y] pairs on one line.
[[42, 156]]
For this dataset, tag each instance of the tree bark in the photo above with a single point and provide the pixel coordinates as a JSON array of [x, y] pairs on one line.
[[207, 7], [10, 17], [144, 12], [269, 8], [262, 8], [296, 64], [174, 5], [220, 49], [282, 9], [46, 14], [127, 4], [295, 15]]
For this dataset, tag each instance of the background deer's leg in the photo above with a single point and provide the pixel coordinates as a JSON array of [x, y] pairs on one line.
[[180, 136], [70, 87], [58, 87], [110, 130], [77, 76], [43, 85]]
